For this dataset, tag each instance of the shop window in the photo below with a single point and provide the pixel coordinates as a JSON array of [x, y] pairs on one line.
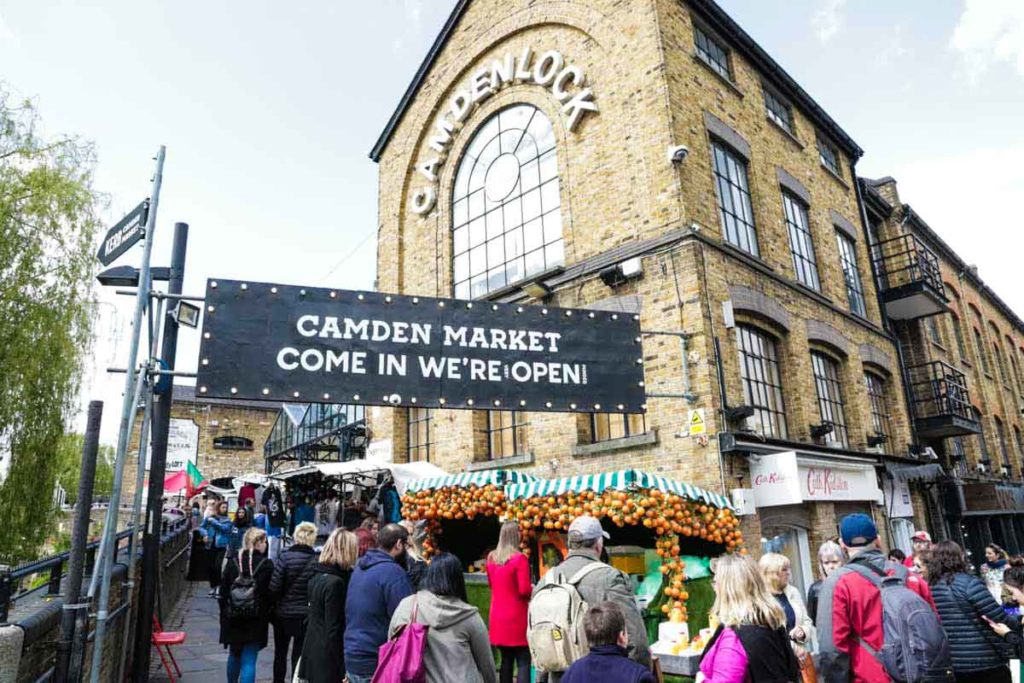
[[712, 52], [506, 433], [851, 274], [877, 395], [506, 206], [829, 156], [421, 434], [232, 443], [830, 398], [778, 110], [762, 382], [791, 541], [733, 190], [610, 426], [801, 244], [902, 532]]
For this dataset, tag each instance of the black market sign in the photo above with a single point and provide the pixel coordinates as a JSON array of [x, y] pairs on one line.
[[289, 343], [124, 235]]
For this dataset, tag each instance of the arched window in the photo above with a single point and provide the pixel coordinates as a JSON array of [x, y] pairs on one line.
[[762, 381], [506, 215], [233, 443]]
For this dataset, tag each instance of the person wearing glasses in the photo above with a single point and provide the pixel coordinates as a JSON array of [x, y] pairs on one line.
[[378, 584]]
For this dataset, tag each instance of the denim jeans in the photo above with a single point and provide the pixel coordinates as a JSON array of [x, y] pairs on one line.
[[242, 663], [358, 678]]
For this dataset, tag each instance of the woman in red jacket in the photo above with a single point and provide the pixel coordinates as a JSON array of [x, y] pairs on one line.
[[508, 573]]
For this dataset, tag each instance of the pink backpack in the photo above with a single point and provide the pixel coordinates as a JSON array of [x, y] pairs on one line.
[[401, 658]]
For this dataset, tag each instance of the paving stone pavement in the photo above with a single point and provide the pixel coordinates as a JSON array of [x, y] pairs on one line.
[[202, 659]]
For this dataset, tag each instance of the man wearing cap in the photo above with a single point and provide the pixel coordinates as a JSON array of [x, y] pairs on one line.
[[850, 607], [920, 542], [586, 541]]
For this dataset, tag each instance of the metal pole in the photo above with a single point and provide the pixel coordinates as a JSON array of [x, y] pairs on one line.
[[105, 561], [157, 468], [79, 535]]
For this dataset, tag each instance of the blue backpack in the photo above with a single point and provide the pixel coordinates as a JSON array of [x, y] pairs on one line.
[[916, 649]]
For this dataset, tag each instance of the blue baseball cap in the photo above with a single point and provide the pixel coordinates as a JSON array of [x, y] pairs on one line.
[[857, 530]]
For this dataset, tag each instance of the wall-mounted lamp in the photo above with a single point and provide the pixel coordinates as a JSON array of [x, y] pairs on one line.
[[822, 430], [877, 440], [537, 289]]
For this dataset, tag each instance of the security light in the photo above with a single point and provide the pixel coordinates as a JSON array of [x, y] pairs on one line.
[[186, 314], [537, 289], [739, 413], [876, 440], [128, 276], [822, 430]]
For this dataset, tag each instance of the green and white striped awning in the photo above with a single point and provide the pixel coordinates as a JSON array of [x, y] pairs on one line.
[[621, 480], [496, 477]]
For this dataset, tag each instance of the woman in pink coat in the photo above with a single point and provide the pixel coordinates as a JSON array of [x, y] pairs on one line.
[[508, 573], [751, 644]]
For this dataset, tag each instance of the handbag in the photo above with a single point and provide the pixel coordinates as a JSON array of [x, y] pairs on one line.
[[808, 674], [400, 659]]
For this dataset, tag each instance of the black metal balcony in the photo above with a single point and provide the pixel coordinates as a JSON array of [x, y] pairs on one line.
[[910, 281], [940, 401]]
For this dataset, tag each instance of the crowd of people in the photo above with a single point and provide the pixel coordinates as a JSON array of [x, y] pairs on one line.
[[871, 618]]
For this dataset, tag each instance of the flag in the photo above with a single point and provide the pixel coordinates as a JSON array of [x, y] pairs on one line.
[[195, 479], [189, 479]]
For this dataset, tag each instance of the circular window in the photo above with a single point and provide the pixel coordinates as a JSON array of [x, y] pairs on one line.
[[506, 215]]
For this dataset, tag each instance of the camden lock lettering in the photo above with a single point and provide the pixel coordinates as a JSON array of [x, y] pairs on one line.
[[825, 482], [566, 83]]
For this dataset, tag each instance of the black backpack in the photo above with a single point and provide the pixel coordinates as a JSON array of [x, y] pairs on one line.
[[242, 602]]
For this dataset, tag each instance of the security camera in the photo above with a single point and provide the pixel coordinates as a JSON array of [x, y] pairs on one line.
[[394, 399], [677, 153]]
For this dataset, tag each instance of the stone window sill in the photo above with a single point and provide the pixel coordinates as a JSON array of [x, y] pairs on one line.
[[501, 463], [835, 176], [725, 81], [584, 450], [787, 134]]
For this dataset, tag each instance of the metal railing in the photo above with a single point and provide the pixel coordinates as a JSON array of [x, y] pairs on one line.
[[939, 390], [16, 584], [905, 260]]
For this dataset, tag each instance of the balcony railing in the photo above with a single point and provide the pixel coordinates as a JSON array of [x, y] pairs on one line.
[[910, 281], [940, 401]]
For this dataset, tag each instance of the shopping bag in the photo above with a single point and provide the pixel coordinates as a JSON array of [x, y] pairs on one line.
[[400, 659], [808, 674]]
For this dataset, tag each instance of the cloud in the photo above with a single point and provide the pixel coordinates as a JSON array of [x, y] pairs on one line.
[[946, 191], [6, 34], [990, 32], [412, 27], [828, 20]]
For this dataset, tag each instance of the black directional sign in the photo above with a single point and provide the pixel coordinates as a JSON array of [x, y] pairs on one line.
[[289, 343], [124, 235]]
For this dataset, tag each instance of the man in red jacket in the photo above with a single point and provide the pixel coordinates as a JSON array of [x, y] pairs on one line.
[[921, 542], [853, 607]]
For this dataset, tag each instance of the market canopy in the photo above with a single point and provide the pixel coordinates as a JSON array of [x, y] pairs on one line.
[[368, 469], [620, 480], [495, 477]]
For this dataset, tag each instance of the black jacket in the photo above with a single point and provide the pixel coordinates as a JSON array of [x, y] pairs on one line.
[[290, 583], [237, 631], [323, 653], [812, 600], [961, 600]]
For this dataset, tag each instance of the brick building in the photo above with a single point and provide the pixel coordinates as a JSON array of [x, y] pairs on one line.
[[231, 433], [650, 158], [963, 349]]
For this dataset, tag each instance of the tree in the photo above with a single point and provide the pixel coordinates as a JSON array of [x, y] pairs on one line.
[[48, 224], [69, 462]]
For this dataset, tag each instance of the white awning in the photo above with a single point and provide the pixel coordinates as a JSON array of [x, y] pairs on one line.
[[368, 469]]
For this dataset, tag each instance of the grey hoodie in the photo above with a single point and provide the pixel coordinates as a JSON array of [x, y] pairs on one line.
[[458, 649]]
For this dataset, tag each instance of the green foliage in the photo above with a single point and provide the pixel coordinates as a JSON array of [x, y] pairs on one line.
[[48, 225], [69, 462]]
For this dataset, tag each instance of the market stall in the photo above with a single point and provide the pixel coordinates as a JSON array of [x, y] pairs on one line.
[[658, 527]]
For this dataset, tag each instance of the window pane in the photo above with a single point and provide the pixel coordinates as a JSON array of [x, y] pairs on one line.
[[734, 204], [851, 275], [507, 178], [830, 398], [762, 385], [800, 242]]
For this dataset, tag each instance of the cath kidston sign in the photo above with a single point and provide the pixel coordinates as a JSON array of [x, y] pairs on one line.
[[289, 343], [786, 479]]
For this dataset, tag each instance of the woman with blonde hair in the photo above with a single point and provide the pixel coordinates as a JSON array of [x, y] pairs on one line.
[[777, 572], [830, 558], [290, 586], [323, 652], [508, 573], [243, 629], [750, 643]]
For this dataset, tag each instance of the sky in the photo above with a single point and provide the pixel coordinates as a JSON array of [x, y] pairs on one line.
[[269, 109]]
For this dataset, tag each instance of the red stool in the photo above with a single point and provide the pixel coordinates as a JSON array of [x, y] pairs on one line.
[[167, 639]]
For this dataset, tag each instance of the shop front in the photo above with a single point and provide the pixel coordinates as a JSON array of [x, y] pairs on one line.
[[800, 499], [898, 485], [993, 513]]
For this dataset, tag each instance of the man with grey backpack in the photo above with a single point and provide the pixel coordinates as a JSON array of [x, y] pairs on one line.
[[876, 622], [555, 630]]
